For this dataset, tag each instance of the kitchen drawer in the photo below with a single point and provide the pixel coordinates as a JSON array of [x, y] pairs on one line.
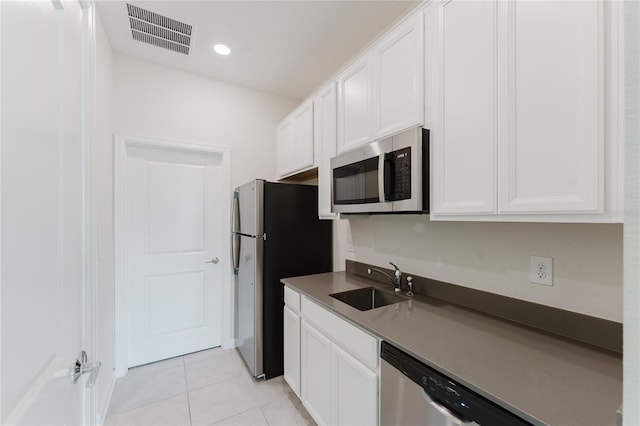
[[292, 299], [360, 344]]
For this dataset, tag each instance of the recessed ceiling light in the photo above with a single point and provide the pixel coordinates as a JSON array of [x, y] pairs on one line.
[[222, 49]]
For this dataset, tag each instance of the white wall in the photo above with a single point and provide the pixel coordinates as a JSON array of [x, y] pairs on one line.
[[151, 101], [154, 101], [632, 219], [494, 257], [104, 199]]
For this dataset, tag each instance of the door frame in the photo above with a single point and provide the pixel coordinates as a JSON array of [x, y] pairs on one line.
[[91, 335], [122, 143], [1, 408]]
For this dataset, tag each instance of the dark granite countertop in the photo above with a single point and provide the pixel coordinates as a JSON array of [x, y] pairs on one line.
[[544, 378]]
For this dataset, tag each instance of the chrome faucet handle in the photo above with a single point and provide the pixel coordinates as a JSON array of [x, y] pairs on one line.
[[397, 273], [410, 285], [397, 280]]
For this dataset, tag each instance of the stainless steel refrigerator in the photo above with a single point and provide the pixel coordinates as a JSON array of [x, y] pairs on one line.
[[276, 234]]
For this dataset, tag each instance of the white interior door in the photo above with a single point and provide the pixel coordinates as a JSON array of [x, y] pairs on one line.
[[175, 219], [45, 251]]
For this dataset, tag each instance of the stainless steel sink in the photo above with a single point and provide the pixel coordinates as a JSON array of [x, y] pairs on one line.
[[367, 298]]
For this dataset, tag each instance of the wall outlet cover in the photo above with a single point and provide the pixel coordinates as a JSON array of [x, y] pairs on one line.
[[541, 270]]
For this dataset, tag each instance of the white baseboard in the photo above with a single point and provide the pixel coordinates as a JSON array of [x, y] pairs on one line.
[[107, 401], [229, 344], [120, 372]]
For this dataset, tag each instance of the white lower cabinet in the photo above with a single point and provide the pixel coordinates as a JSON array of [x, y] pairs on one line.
[[339, 369], [315, 357], [337, 389], [332, 365], [355, 391], [292, 349]]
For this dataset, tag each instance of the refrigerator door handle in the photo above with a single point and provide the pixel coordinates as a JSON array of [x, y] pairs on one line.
[[235, 213], [235, 252], [235, 228]]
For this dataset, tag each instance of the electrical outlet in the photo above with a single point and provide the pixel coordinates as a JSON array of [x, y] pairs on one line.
[[541, 270]]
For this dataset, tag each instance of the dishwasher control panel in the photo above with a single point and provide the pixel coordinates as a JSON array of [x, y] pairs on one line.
[[445, 391], [461, 401]]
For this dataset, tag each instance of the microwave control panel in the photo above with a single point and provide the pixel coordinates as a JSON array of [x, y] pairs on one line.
[[401, 160]]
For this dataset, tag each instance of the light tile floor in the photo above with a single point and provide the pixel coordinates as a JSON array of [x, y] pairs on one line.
[[210, 387]]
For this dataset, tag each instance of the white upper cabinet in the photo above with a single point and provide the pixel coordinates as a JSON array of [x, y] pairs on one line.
[[325, 135], [398, 61], [552, 143], [461, 94], [523, 104], [295, 141], [355, 104], [303, 119], [381, 92], [285, 146]]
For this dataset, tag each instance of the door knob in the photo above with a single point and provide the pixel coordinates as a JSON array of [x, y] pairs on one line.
[[81, 366], [214, 260]]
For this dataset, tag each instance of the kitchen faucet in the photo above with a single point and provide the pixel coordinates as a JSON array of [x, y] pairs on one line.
[[396, 279]]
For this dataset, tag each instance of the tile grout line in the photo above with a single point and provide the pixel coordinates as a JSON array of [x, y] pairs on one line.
[[265, 416], [238, 414], [118, 413], [186, 382], [242, 378], [126, 382], [260, 406]]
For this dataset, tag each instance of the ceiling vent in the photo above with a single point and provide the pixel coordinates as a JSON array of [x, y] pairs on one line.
[[152, 28]]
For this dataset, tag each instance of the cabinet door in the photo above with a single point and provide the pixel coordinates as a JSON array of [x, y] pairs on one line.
[[354, 104], [303, 139], [398, 89], [285, 147], [461, 94], [324, 124], [292, 349], [355, 391], [552, 142], [315, 374]]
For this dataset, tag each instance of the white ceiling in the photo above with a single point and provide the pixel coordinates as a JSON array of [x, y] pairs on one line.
[[284, 47]]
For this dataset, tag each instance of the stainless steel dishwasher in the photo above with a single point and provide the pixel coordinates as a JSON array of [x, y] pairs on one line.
[[413, 393]]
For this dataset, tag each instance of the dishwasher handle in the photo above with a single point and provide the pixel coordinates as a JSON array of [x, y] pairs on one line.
[[440, 415], [459, 401]]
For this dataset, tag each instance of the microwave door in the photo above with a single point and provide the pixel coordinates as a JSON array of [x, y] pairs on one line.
[[360, 189], [358, 179]]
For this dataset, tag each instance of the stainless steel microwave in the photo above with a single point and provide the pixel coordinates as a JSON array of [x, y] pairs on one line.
[[387, 176]]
